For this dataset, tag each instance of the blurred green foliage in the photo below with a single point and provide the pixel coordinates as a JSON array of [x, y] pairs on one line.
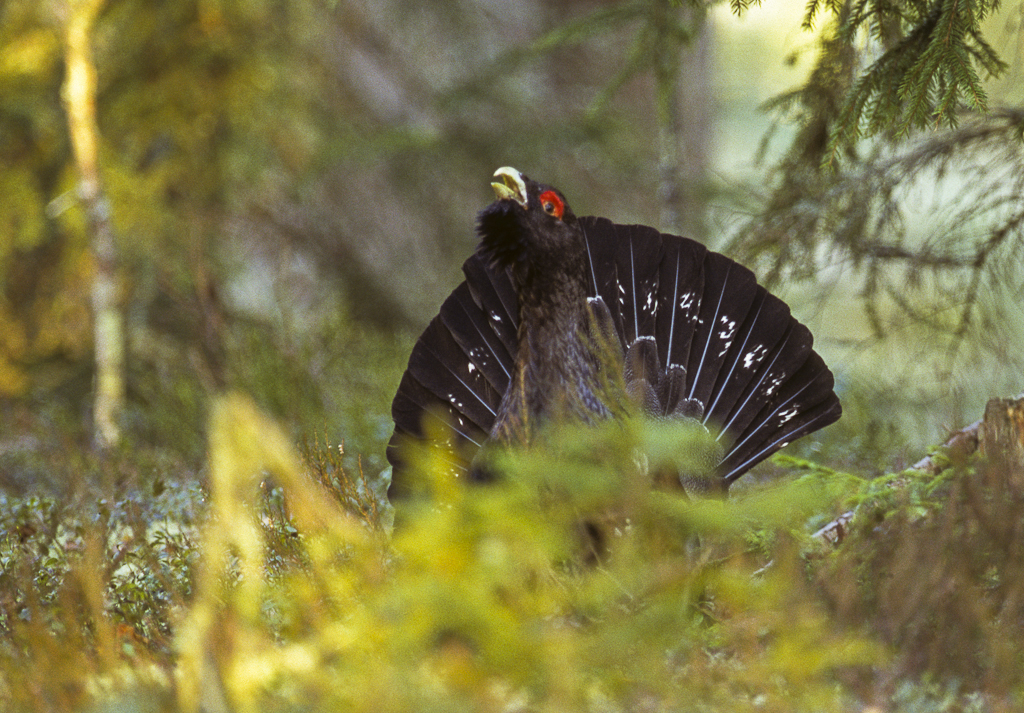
[[291, 185], [288, 595], [205, 110]]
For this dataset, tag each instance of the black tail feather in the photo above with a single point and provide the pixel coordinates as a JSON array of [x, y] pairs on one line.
[[729, 290], [484, 349], [727, 351], [418, 411], [494, 295], [681, 287], [439, 363], [755, 340], [417, 408]]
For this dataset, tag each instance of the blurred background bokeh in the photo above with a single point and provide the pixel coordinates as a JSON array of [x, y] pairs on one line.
[[293, 185]]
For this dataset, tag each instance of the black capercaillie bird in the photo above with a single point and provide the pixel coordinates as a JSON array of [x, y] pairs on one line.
[[553, 303]]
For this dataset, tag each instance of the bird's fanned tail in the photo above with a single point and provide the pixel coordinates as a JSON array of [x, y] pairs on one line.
[[744, 358]]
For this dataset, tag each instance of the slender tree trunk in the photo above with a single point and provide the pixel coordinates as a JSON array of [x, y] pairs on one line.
[[108, 331], [685, 122]]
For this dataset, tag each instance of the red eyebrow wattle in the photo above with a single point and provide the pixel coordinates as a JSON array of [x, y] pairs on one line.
[[552, 198]]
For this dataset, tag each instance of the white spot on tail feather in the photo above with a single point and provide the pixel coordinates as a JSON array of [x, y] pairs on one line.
[[754, 356]]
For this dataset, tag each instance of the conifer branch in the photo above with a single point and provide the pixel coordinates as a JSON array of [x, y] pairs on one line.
[[924, 75]]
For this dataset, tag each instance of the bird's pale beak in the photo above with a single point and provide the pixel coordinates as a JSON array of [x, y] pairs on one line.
[[510, 185]]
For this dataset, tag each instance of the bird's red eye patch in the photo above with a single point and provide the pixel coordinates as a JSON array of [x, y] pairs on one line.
[[552, 204]]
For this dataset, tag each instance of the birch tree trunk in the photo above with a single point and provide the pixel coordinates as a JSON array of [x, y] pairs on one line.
[[79, 96]]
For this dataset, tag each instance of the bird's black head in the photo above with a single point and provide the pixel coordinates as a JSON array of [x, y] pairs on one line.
[[530, 225]]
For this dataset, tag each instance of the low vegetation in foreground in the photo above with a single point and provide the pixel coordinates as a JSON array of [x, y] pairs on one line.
[[570, 585]]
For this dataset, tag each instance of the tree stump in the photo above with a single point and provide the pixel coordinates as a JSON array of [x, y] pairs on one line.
[[1001, 437]]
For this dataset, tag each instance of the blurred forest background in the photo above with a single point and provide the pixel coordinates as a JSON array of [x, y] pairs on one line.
[[292, 187], [273, 197]]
